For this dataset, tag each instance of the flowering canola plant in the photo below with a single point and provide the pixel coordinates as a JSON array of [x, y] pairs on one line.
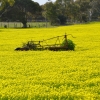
[[50, 75]]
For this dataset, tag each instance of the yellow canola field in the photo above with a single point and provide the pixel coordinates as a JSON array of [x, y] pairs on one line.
[[50, 75]]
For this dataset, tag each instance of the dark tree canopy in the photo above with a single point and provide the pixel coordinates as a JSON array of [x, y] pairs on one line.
[[22, 10]]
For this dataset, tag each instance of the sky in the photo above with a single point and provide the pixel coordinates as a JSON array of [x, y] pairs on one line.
[[43, 1]]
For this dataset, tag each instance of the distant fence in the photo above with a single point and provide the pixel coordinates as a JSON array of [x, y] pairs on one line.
[[19, 24]]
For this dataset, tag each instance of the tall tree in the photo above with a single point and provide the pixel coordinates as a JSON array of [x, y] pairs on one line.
[[50, 13], [84, 9], [73, 12], [65, 10], [22, 9]]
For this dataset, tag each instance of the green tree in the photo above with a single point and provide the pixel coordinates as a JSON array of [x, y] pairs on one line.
[[50, 13], [84, 9], [22, 9], [73, 11], [63, 9]]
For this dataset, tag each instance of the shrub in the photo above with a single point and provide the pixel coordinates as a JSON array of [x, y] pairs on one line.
[[68, 44], [71, 45], [30, 44]]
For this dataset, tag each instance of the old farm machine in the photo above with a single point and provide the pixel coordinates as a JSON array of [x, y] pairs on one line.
[[61, 43]]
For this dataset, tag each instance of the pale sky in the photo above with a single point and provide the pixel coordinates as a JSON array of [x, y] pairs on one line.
[[43, 1]]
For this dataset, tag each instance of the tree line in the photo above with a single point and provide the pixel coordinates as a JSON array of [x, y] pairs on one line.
[[60, 12]]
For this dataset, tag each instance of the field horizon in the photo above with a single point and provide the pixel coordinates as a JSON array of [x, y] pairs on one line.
[[50, 75]]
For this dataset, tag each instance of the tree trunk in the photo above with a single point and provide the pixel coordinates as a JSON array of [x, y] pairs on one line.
[[24, 25], [24, 22]]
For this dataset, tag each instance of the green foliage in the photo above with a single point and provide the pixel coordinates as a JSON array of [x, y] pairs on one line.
[[69, 44], [30, 44], [22, 10], [51, 13], [64, 43], [3, 3], [62, 19]]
